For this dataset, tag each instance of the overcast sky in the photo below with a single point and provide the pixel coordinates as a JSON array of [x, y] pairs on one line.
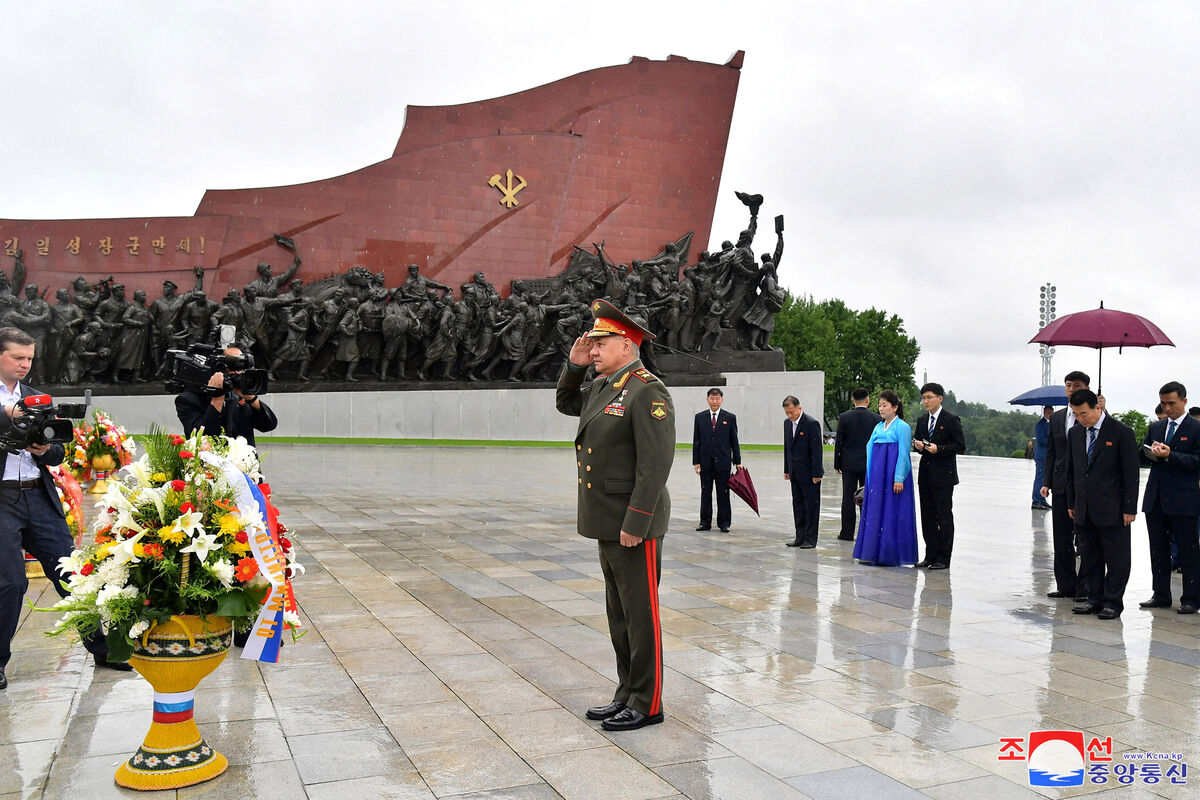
[[940, 160]]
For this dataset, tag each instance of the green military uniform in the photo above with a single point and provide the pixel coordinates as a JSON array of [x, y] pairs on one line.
[[624, 449]]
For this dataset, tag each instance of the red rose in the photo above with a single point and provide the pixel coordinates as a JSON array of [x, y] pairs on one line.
[[186, 508], [186, 454], [177, 440], [242, 537], [286, 544], [87, 569], [288, 573], [178, 486]]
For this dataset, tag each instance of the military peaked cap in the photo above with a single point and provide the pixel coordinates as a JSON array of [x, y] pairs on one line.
[[611, 321]]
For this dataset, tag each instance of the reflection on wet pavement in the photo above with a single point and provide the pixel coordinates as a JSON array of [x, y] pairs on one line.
[[457, 634]]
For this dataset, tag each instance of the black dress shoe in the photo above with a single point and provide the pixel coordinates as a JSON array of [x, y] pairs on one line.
[[604, 712], [1060, 594], [1091, 608], [808, 545], [939, 565], [846, 538], [922, 564], [1185, 609], [119, 666], [1081, 598], [795, 543], [630, 720], [3, 680], [724, 530], [704, 528], [1108, 613], [1155, 602]]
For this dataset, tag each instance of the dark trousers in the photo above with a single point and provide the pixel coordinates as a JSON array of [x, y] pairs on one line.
[[29, 522], [937, 522], [851, 480], [710, 476], [1104, 563], [631, 576], [1163, 529], [1065, 577], [806, 508]]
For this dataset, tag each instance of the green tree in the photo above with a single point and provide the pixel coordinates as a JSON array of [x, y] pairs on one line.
[[853, 348], [1136, 420], [989, 432]]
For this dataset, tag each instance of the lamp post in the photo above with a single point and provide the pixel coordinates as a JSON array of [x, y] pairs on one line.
[[1045, 317]]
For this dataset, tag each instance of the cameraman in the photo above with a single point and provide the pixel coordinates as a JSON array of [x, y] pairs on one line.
[[224, 409], [31, 515]]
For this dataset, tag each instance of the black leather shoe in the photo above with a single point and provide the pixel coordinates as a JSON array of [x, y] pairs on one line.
[[808, 545], [1081, 598], [922, 564], [119, 666], [846, 538], [1186, 609], [630, 720], [604, 712], [724, 530], [939, 565], [1108, 613], [1155, 602], [1060, 594], [704, 528], [3, 680], [1091, 608], [795, 543]]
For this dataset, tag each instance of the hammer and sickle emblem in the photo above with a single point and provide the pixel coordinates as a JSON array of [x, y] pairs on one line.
[[509, 191]]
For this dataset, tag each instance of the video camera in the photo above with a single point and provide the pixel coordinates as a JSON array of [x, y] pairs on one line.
[[192, 369], [42, 422]]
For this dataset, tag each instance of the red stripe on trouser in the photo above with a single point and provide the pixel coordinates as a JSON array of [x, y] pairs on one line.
[[169, 717], [652, 581]]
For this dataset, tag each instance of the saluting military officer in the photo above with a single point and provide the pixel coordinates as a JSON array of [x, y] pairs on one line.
[[624, 450]]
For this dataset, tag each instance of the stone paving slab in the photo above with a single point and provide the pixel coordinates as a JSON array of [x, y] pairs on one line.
[[456, 635]]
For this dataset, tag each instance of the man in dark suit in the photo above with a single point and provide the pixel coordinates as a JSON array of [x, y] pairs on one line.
[[715, 451], [624, 448], [1172, 501], [938, 437], [802, 466], [1102, 488], [1054, 479], [224, 411], [850, 455], [31, 515]]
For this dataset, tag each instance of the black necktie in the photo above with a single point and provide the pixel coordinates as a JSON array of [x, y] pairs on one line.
[[1170, 432], [932, 420]]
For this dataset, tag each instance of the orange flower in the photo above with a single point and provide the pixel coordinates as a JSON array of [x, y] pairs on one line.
[[246, 569], [153, 549], [102, 539]]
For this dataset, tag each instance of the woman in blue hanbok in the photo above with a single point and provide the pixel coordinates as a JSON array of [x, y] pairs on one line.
[[887, 532]]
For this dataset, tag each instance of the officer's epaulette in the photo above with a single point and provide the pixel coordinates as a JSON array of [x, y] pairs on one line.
[[644, 375]]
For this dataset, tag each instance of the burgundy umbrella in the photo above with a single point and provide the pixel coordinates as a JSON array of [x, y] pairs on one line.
[[741, 485], [1100, 328]]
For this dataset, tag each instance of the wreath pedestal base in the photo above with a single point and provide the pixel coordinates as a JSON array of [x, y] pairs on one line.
[[174, 657]]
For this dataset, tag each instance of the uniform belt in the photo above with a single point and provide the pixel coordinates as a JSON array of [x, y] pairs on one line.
[[32, 483]]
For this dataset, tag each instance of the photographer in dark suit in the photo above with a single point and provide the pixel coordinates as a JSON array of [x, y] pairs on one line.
[[715, 451], [1172, 500], [850, 455], [1102, 489], [938, 437], [802, 466], [31, 515], [224, 411]]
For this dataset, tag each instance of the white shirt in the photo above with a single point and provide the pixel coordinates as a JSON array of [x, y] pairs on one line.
[[20, 467], [1070, 419]]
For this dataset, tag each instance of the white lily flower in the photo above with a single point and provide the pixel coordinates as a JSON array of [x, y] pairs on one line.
[[158, 498], [291, 618], [189, 524], [139, 470], [201, 545], [123, 552], [68, 565]]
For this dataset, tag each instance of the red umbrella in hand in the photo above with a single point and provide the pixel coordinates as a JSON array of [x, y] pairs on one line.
[[741, 485], [1099, 328]]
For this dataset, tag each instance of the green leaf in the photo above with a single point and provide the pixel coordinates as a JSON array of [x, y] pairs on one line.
[[234, 604], [119, 648]]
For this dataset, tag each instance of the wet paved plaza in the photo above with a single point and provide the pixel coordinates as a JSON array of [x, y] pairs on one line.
[[457, 633]]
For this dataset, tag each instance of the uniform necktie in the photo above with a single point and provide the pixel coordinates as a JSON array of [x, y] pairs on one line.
[[1091, 441], [714, 421], [1170, 431]]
